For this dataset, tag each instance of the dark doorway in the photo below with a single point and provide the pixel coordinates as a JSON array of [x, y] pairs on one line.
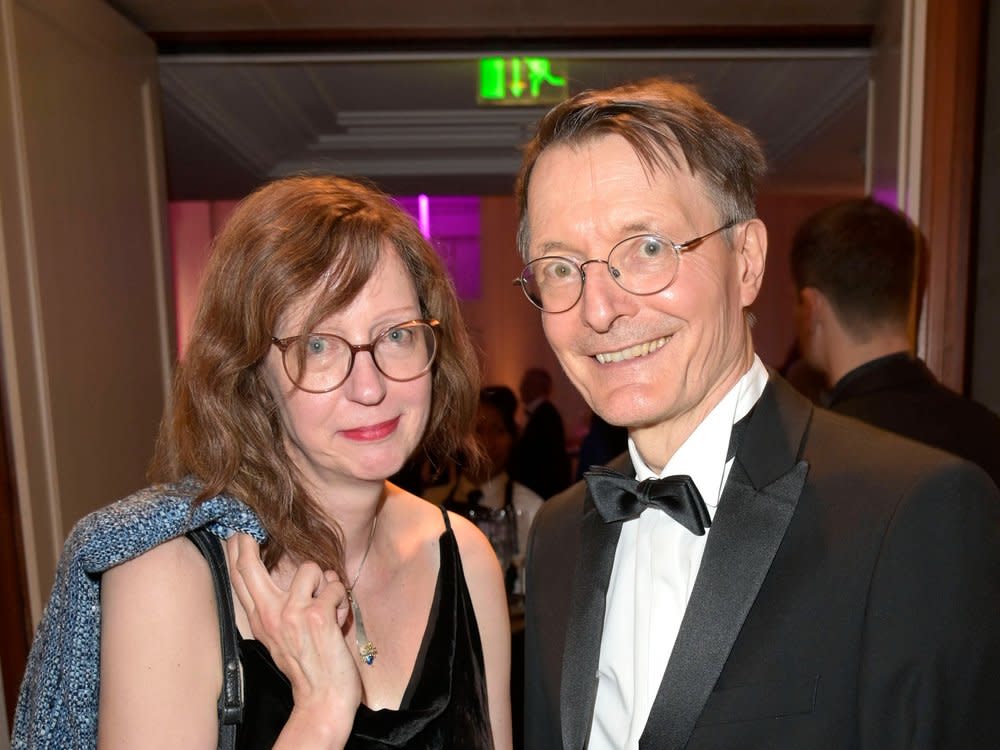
[[15, 629]]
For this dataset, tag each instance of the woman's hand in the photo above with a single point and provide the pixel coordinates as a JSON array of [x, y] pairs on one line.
[[302, 628]]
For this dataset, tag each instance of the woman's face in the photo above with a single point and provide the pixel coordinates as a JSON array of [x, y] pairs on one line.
[[366, 428], [494, 437]]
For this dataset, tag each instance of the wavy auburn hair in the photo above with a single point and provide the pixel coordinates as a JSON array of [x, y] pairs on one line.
[[281, 243]]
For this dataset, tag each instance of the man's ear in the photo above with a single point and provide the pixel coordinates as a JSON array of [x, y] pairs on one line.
[[806, 312], [816, 327], [752, 252], [814, 308], [806, 330]]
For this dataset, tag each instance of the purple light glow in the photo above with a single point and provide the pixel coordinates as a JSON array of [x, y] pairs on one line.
[[887, 196], [424, 215], [455, 235]]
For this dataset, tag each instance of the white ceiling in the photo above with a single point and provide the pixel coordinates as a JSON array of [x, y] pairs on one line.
[[387, 90]]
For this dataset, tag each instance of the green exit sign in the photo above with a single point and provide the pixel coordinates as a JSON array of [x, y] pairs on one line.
[[522, 80]]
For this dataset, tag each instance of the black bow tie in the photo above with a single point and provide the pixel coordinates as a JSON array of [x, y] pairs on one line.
[[619, 498]]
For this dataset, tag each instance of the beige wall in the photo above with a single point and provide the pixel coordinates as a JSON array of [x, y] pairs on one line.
[[86, 340]]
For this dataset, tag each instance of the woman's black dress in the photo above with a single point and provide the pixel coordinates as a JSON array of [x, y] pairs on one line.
[[444, 706]]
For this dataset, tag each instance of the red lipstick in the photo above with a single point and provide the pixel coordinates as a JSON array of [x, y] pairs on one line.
[[373, 432]]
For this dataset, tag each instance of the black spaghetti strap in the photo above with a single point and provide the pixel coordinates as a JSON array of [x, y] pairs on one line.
[[447, 521], [231, 697]]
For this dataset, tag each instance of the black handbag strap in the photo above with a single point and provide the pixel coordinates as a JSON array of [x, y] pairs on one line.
[[231, 697]]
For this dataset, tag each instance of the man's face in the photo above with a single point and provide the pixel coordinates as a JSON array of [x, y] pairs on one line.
[[670, 356]]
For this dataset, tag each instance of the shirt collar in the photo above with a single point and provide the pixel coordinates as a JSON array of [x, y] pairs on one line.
[[703, 455], [532, 405]]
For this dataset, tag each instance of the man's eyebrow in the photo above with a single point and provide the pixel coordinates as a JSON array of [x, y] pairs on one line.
[[637, 227], [553, 246]]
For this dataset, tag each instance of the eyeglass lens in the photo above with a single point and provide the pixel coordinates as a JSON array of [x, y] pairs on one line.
[[320, 362], [644, 264]]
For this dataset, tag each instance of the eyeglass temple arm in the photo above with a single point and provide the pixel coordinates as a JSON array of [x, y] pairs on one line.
[[692, 244]]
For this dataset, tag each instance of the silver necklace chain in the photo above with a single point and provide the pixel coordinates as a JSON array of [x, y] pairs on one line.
[[364, 557], [366, 649]]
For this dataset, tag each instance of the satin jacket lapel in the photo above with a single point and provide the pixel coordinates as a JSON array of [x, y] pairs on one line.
[[756, 506], [586, 622]]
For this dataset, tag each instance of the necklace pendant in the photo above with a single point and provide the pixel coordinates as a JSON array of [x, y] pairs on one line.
[[366, 649], [368, 652]]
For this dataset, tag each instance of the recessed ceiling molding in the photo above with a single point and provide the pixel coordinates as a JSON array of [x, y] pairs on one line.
[[238, 138], [311, 110], [452, 138], [672, 54], [402, 167], [478, 117], [282, 105], [823, 110]]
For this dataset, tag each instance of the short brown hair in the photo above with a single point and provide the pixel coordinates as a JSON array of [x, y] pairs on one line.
[[865, 257], [659, 118], [280, 243]]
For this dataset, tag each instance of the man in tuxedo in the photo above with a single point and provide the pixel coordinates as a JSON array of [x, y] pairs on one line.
[[779, 576], [855, 266], [539, 459]]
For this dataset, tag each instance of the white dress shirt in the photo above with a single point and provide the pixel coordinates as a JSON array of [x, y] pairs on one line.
[[655, 566]]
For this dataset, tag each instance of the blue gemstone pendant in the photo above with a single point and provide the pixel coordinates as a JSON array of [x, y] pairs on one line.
[[366, 648], [368, 652]]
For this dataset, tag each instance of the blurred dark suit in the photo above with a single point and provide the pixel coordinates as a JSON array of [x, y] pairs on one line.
[[539, 459], [898, 393]]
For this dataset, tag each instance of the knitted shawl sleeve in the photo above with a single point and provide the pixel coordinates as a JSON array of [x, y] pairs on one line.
[[57, 704]]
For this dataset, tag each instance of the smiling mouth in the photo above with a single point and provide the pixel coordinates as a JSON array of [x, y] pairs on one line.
[[639, 350]]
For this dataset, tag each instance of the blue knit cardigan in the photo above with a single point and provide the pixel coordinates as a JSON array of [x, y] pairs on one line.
[[57, 705]]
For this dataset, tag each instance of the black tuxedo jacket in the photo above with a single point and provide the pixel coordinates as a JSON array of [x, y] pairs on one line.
[[848, 597]]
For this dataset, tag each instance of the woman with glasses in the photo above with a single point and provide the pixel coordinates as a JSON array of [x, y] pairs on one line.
[[327, 349]]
